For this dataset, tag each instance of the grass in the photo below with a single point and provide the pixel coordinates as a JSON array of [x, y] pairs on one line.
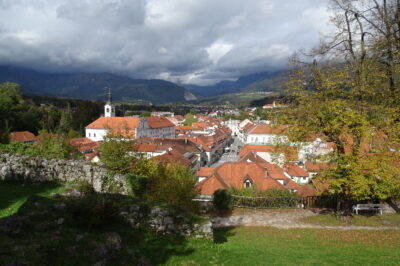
[[14, 194], [271, 246], [46, 243], [356, 220]]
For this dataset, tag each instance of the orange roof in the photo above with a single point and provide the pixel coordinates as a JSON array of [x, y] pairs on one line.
[[268, 129], [234, 175], [84, 144], [145, 147], [159, 122], [205, 171], [172, 156], [115, 123], [22, 136], [290, 152], [248, 126], [295, 170]]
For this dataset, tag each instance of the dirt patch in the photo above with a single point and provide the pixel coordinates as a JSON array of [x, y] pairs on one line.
[[280, 218]]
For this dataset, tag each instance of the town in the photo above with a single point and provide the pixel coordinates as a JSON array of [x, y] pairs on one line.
[[199, 132]]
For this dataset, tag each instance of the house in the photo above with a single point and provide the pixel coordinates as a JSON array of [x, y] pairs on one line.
[[23, 137], [125, 127], [87, 147], [204, 173], [177, 155], [266, 134], [244, 175], [272, 154], [297, 174], [128, 127]]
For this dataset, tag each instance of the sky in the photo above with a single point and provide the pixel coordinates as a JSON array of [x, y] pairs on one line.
[[184, 41]]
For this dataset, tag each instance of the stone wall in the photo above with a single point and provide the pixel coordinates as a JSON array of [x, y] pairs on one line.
[[32, 169]]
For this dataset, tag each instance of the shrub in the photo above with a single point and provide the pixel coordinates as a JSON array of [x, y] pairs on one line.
[[137, 185], [222, 200], [174, 185]]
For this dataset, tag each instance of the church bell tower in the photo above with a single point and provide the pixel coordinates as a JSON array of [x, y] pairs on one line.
[[109, 108]]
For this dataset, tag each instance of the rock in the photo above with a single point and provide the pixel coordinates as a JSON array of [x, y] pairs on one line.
[[114, 241], [54, 195]]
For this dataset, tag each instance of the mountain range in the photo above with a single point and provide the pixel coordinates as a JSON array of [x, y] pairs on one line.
[[263, 81], [92, 86]]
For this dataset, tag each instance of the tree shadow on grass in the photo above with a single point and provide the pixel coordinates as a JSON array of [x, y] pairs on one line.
[[13, 192], [41, 215], [221, 234]]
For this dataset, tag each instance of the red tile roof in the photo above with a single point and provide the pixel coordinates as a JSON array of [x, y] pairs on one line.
[[295, 170], [205, 171], [268, 129], [145, 147], [290, 152], [234, 175], [84, 144], [22, 136], [172, 156], [159, 122], [116, 124]]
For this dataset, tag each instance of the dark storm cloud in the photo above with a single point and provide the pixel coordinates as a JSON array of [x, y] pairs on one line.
[[200, 41]]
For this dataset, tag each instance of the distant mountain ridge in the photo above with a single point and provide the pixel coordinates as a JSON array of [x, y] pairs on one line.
[[92, 86], [263, 81]]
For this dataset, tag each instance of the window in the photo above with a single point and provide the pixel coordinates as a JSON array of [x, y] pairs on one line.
[[89, 135], [107, 110], [247, 183], [94, 134]]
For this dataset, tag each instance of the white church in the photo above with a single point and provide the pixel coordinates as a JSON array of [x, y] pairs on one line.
[[128, 127]]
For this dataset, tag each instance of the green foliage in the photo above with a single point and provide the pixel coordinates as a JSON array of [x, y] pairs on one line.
[[145, 114], [190, 119], [222, 200], [138, 185], [48, 146], [174, 186], [114, 155], [270, 198], [255, 192]]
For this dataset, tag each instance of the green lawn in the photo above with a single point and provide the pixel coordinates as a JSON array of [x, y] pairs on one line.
[[356, 220], [14, 194], [270, 246], [44, 242]]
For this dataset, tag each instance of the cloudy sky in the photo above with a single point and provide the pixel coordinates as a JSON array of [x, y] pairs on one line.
[[187, 41]]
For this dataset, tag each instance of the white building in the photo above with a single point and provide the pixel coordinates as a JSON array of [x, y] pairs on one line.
[[128, 127], [266, 134]]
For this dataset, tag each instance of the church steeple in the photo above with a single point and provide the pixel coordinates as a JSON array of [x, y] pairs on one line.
[[109, 108]]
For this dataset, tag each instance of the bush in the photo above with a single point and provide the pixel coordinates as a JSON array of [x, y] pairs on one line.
[[137, 185], [174, 186], [222, 200]]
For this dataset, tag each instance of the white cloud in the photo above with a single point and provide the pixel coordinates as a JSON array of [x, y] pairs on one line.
[[199, 41]]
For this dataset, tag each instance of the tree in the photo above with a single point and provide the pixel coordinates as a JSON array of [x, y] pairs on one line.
[[175, 186], [351, 101], [189, 119], [114, 155]]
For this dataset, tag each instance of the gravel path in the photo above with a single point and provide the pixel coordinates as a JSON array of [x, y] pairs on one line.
[[283, 219]]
